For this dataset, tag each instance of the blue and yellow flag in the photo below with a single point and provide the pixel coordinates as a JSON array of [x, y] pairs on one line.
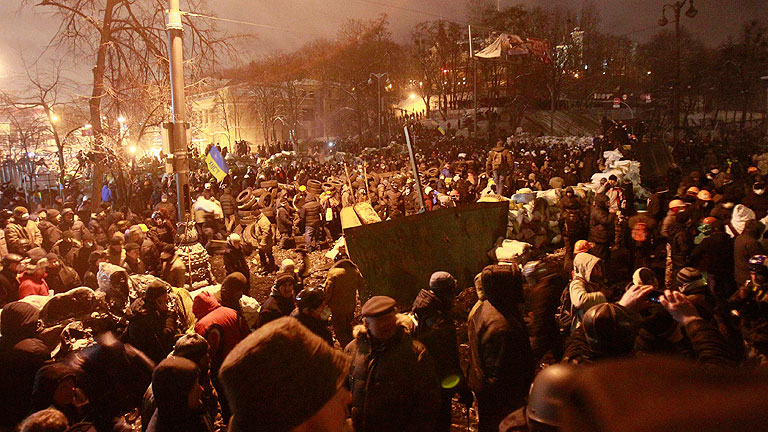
[[216, 164], [441, 130]]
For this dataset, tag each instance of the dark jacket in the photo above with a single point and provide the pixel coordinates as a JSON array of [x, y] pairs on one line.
[[284, 221], [758, 204], [228, 204], [680, 240], [63, 279], [393, 383], [311, 212], [21, 355], [714, 255], [745, 247], [151, 331], [600, 221], [9, 287], [171, 383], [274, 307], [50, 233], [234, 261], [500, 358]]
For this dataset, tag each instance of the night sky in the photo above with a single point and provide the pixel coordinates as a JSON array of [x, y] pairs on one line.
[[29, 31]]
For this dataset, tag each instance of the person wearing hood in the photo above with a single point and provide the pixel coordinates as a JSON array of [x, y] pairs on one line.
[[746, 246], [342, 284], [60, 277], [313, 312], [177, 394], [587, 286], [393, 381], [501, 364], [601, 227], [219, 325], [751, 302], [87, 246], [757, 200], [70, 223], [499, 166], [32, 282], [19, 228], [312, 218], [233, 287], [152, 327], [21, 355], [280, 302], [437, 332], [115, 253], [9, 278]]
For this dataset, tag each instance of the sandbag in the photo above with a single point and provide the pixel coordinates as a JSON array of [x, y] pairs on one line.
[[77, 302]]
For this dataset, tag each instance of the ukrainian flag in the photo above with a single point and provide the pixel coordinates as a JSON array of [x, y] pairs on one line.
[[216, 164], [441, 130]]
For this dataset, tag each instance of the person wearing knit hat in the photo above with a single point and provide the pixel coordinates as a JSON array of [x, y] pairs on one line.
[[393, 380], [689, 278], [133, 262], [177, 395], [280, 302], [33, 282], [267, 393], [21, 228], [149, 329], [235, 254], [233, 287]]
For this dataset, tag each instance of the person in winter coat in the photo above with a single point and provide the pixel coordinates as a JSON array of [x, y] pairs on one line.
[[19, 228], [312, 218], [714, 256], [585, 289], [148, 250], [501, 365], [162, 232], [680, 242], [219, 325], [313, 312], [21, 355], [393, 381], [499, 165], [437, 332], [192, 347], [746, 246], [280, 302], [49, 229], [266, 238], [9, 278], [151, 327], [133, 262], [60, 277], [544, 286], [342, 284], [70, 223], [173, 269], [177, 395], [55, 386], [67, 248], [228, 207], [751, 301], [573, 224], [757, 200], [234, 256], [32, 282], [600, 227], [113, 376], [284, 223]]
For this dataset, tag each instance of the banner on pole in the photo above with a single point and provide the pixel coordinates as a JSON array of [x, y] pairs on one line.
[[216, 164]]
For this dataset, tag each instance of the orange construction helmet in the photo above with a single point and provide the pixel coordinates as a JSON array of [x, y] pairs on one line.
[[582, 246], [704, 195]]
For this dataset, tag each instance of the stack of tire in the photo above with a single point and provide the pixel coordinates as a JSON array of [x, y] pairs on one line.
[[314, 187], [250, 200]]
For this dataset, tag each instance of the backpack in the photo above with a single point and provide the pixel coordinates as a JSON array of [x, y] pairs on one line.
[[497, 160], [640, 232]]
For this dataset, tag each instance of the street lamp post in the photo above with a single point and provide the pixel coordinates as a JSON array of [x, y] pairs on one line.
[[378, 76], [677, 6], [765, 113]]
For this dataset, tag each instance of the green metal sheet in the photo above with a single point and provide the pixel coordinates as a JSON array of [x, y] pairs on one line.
[[397, 257]]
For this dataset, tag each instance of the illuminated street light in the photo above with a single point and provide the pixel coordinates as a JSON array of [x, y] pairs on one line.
[[54, 118], [413, 96], [132, 149], [121, 119], [87, 126]]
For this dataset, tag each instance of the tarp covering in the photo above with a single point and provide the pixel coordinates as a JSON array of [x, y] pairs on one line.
[[397, 257], [508, 44]]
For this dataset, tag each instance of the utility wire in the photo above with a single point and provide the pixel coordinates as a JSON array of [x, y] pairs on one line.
[[234, 21]]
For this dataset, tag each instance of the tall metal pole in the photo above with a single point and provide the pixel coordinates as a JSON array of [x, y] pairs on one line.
[[676, 95], [378, 110], [178, 109], [416, 180], [765, 113], [474, 83]]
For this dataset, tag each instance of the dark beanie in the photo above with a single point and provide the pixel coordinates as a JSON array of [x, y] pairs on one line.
[[441, 281], [155, 289], [233, 282], [294, 370], [689, 278], [172, 381]]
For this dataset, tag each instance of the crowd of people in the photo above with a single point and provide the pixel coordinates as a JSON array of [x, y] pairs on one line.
[[683, 274]]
